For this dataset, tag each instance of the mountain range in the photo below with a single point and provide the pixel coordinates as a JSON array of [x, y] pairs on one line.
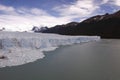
[[106, 26]]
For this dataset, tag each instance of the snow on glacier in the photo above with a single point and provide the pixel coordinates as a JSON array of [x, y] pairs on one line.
[[22, 47]]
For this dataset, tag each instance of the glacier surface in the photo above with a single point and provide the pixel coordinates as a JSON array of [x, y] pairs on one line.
[[21, 47]]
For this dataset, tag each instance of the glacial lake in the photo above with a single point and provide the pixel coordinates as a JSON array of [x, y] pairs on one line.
[[87, 61]]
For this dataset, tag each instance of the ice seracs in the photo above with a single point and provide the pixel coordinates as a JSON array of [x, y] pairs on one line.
[[21, 47]]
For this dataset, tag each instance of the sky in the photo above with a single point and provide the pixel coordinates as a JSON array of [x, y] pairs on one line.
[[22, 15]]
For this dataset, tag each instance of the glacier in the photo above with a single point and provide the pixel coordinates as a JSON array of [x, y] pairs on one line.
[[22, 47]]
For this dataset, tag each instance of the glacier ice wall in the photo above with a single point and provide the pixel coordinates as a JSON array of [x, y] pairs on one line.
[[20, 48]]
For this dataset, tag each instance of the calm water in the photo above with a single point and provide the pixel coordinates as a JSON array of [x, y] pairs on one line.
[[89, 61]]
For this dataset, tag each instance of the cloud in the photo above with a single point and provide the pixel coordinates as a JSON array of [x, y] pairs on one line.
[[116, 2], [31, 11], [21, 19], [7, 9], [26, 22], [78, 9], [112, 2], [86, 8], [104, 1]]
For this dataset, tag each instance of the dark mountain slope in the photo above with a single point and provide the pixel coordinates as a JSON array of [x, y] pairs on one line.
[[106, 26]]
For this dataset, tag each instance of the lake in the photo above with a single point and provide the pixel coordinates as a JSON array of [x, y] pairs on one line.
[[88, 61]]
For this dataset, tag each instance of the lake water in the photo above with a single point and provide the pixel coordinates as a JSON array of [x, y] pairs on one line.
[[89, 61]]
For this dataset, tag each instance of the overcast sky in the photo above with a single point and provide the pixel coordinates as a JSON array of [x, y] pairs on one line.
[[23, 14]]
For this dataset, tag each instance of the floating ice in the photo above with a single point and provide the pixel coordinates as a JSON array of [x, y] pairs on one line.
[[20, 48]]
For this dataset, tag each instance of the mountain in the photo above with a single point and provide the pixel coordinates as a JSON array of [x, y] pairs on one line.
[[106, 26], [39, 29]]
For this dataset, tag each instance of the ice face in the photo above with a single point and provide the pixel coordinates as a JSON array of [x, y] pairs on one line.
[[19, 48]]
